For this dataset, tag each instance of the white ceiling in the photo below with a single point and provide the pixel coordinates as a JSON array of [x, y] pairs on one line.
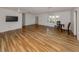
[[37, 10]]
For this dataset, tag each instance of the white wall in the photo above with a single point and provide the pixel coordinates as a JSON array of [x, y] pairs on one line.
[[65, 18], [78, 23], [29, 19], [73, 22], [6, 26]]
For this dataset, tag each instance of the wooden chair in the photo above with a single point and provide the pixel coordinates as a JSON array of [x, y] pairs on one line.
[[59, 25], [68, 28]]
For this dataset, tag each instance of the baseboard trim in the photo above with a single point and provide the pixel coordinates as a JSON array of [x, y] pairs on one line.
[[11, 30]]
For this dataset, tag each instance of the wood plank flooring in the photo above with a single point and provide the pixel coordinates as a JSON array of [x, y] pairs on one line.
[[38, 39]]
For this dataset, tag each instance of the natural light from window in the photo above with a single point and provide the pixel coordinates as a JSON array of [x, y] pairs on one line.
[[53, 19]]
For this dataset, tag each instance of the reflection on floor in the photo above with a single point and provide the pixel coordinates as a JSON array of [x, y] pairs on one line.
[[37, 39]]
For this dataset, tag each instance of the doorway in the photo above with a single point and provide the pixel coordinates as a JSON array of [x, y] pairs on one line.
[[23, 19], [36, 20]]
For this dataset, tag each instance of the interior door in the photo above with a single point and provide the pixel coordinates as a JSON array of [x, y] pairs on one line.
[[36, 20], [23, 19]]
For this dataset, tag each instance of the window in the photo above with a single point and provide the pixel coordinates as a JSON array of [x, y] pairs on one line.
[[53, 19]]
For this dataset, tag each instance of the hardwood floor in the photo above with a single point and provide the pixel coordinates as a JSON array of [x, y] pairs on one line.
[[37, 39]]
